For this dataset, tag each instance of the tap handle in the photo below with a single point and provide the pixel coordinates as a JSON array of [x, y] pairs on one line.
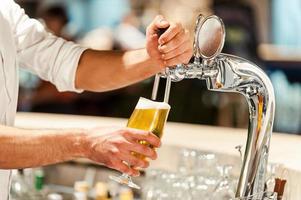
[[160, 32], [155, 87]]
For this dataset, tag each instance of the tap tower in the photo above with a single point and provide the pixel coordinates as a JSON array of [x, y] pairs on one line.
[[229, 73]]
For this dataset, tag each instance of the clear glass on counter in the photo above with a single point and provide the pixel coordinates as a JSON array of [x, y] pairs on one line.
[[81, 189], [198, 176], [54, 196], [19, 188], [28, 184], [101, 191]]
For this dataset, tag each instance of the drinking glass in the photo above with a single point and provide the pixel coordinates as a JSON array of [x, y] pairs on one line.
[[224, 189], [149, 116]]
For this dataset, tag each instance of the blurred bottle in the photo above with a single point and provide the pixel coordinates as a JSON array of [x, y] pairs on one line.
[[38, 193], [23, 187], [113, 188], [101, 190], [126, 194], [81, 189], [19, 188], [270, 183], [54, 196]]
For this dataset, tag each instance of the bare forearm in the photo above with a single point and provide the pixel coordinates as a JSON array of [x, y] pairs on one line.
[[30, 148], [108, 70], [110, 146]]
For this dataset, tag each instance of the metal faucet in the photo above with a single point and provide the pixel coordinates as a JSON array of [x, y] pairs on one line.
[[229, 73]]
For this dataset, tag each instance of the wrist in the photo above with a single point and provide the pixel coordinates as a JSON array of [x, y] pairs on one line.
[[79, 143]]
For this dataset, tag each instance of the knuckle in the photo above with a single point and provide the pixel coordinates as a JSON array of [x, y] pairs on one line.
[[117, 143], [173, 27], [178, 25], [114, 151]]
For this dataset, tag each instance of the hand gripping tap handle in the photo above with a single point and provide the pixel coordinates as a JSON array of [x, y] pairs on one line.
[[157, 77]]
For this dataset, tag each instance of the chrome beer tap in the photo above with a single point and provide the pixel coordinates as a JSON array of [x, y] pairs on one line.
[[229, 73]]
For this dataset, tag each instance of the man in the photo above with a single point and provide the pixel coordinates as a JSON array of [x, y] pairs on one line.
[[24, 41]]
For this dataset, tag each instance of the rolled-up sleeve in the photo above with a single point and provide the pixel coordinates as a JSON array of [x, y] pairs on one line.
[[50, 57]]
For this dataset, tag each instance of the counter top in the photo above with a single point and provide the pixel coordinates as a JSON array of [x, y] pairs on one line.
[[285, 148]]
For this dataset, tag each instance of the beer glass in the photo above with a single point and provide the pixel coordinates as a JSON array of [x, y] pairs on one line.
[[149, 116]]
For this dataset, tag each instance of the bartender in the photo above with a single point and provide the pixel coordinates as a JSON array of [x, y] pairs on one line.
[[70, 67]]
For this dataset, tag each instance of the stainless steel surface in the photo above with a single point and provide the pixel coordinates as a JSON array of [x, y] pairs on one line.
[[229, 73], [157, 78], [155, 87], [167, 86]]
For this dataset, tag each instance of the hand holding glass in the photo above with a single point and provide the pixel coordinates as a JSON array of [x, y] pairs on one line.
[[149, 116]]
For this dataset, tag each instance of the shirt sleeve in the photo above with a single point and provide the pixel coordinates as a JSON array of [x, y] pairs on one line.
[[50, 57]]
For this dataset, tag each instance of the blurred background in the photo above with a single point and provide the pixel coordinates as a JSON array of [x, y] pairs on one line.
[[266, 32]]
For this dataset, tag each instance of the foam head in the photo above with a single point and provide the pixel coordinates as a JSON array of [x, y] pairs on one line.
[[144, 103]]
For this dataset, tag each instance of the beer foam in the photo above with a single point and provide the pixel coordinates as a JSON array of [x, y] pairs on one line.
[[144, 103]]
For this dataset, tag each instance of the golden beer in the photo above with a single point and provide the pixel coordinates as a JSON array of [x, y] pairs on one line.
[[149, 116]]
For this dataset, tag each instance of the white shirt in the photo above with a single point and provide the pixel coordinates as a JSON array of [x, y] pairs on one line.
[[25, 43]]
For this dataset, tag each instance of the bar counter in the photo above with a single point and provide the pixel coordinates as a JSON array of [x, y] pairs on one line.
[[285, 148]]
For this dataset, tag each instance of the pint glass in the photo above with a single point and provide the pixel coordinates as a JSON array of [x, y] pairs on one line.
[[149, 116]]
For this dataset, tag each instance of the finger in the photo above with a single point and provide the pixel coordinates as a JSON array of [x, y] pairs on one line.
[[176, 52], [153, 50], [173, 30], [136, 134], [124, 168], [143, 150], [177, 41], [152, 38], [183, 58], [158, 22], [134, 161]]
